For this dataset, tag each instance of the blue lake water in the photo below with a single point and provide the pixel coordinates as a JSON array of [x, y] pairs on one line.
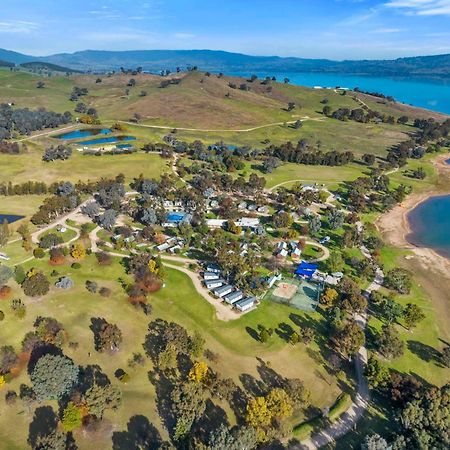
[[107, 140], [429, 94], [430, 224], [10, 218], [79, 134]]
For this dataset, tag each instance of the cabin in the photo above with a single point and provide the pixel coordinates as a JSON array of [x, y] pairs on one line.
[[245, 304], [211, 275], [234, 297], [223, 290], [212, 284], [211, 267]]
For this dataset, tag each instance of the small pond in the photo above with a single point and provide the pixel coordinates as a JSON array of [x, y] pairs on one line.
[[107, 140], [10, 218], [79, 134]]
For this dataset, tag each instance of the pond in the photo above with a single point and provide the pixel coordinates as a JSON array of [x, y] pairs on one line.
[[107, 140], [10, 218], [79, 134]]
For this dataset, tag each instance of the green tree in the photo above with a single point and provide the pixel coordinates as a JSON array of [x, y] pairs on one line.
[[389, 343], [349, 339], [53, 377], [100, 398], [36, 284], [72, 417], [377, 375], [399, 280], [412, 315]]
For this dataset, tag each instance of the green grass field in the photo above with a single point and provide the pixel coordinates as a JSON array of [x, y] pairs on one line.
[[177, 301]]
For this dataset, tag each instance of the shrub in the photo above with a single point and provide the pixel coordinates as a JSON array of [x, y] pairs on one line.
[[76, 265], [5, 292], [72, 417], [2, 315], [39, 253], [105, 292]]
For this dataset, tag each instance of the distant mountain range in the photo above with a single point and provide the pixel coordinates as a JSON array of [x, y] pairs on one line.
[[437, 66]]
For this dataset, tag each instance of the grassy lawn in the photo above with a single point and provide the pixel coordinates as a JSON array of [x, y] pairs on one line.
[[178, 301], [78, 167]]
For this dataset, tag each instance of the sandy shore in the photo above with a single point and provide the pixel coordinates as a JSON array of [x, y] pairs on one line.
[[431, 269]]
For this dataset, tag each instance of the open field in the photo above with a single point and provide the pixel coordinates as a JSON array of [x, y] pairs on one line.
[[178, 302], [79, 167]]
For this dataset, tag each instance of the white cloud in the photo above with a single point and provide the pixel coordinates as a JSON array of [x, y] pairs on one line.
[[17, 26], [421, 7], [388, 30]]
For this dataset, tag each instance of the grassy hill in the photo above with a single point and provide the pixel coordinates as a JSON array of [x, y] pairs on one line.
[[207, 103]]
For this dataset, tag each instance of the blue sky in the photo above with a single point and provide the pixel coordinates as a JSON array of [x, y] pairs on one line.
[[335, 29]]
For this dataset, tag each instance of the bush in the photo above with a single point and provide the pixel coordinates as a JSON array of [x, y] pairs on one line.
[[76, 265], [105, 292], [39, 253], [5, 292], [2, 315]]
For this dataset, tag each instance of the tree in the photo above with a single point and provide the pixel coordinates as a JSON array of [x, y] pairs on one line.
[[8, 359], [328, 297], [107, 220], [279, 403], [299, 395], [78, 251], [374, 442], [4, 233], [349, 339], [198, 372], [6, 273], [335, 262], [100, 398], [53, 377], [412, 315], [389, 343], [399, 280], [197, 344], [391, 310], [336, 218], [257, 412], [369, 159], [314, 224], [445, 356], [72, 417], [326, 110], [35, 284], [40, 85], [241, 438], [376, 374], [109, 337]]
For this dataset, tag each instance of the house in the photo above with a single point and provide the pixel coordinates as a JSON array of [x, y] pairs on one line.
[[163, 247], [216, 223], [245, 223], [282, 245], [296, 253], [211, 267], [212, 284], [282, 253], [252, 207], [211, 275], [61, 229], [234, 297], [242, 205], [310, 187], [175, 248], [306, 270], [245, 304], [214, 204], [223, 290], [271, 281], [263, 209]]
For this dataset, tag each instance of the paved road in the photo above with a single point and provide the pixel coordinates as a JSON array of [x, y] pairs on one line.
[[348, 420]]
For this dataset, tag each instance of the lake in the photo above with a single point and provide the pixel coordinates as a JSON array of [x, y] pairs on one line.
[[10, 218], [79, 134], [430, 224], [429, 94], [107, 140]]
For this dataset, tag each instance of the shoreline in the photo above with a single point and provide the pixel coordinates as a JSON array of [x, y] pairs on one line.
[[425, 262]]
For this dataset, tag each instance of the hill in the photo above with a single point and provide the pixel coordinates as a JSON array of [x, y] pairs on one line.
[[437, 66], [41, 65]]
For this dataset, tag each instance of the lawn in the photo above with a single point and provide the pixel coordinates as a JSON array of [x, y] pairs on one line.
[[30, 167], [238, 351]]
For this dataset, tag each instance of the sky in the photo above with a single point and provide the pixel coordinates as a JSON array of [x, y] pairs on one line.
[[334, 29]]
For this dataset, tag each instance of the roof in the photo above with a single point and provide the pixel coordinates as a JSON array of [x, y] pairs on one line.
[[247, 222], [234, 295], [210, 274], [306, 269], [245, 302], [222, 289]]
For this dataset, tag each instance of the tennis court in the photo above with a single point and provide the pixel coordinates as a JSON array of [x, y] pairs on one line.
[[296, 292]]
